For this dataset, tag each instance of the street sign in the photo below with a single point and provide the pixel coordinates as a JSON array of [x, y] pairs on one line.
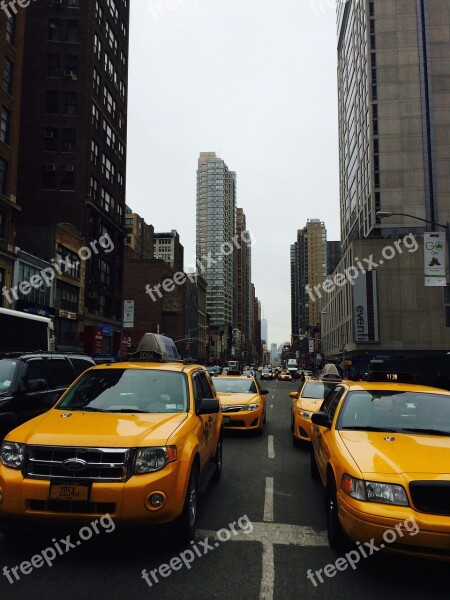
[[434, 257], [128, 313]]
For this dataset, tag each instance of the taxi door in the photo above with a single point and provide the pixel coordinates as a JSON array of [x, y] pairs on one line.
[[207, 423], [323, 435]]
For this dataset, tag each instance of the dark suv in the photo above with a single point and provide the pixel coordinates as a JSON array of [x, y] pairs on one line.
[[31, 383]]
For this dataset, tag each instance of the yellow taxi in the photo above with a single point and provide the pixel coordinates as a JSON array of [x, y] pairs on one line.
[[243, 402], [308, 400], [137, 440], [284, 376], [382, 451]]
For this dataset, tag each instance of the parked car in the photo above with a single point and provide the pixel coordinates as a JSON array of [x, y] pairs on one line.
[[32, 382]]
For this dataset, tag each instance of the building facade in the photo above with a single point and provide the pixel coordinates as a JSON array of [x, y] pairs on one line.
[[168, 248], [394, 126], [73, 137], [242, 286], [215, 231]]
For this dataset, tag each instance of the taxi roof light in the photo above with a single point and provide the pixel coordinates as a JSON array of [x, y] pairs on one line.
[[154, 347]]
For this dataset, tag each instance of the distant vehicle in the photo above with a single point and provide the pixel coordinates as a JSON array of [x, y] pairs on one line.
[[23, 332]]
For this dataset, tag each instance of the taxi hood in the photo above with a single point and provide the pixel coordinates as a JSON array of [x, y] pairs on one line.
[[113, 430], [376, 452], [232, 398]]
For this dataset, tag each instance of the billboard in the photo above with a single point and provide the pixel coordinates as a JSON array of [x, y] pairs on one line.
[[365, 307], [434, 257]]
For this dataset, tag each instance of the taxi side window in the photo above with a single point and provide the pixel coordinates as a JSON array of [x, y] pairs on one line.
[[330, 405], [202, 389]]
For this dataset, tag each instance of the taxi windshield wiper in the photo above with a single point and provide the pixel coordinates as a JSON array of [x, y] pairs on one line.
[[369, 428], [426, 431], [125, 410]]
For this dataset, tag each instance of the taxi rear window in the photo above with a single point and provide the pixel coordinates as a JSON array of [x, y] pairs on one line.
[[128, 390]]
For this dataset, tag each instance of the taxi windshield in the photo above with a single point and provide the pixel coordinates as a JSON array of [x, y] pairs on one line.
[[128, 390], [318, 390], [7, 370], [235, 386], [407, 412]]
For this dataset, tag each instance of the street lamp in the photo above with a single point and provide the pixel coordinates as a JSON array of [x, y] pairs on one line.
[[383, 214]]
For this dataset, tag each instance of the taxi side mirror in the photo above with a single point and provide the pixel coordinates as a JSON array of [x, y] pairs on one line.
[[208, 406], [293, 395], [264, 392], [322, 419]]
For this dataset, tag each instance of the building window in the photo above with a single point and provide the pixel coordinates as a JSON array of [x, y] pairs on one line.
[[109, 102], [68, 261], [3, 176], [49, 177], [50, 138], [110, 135], [93, 188], [71, 65], [107, 201], [70, 103], [5, 124], [73, 31], [68, 180], [40, 295], [98, 12], [108, 169], [7, 75], [96, 81], [53, 63], [54, 30], [95, 116], [67, 296], [69, 140], [11, 29], [97, 47], [52, 101], [105, 272], [94, 153]]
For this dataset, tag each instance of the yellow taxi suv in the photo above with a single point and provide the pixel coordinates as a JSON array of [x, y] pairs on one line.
[[243, 403], [138, 440], [308, 400], [382, 451]]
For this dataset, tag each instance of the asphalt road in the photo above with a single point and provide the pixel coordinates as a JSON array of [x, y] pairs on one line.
[[260, 530]]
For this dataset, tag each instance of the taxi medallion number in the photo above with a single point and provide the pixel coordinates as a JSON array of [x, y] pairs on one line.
[[69, 492]]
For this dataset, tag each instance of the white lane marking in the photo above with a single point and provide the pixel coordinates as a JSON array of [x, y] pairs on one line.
[[271, 450], [276, 533], [268, 500], [273, 396], [268, 572]]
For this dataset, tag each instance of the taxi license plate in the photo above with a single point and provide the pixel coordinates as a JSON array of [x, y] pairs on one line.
[[226, 420], [68, 492]]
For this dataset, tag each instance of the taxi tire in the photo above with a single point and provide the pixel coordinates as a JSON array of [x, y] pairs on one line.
[[186, 521], [218, 460], [336, 536]]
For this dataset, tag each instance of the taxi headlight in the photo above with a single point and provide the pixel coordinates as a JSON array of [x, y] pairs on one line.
[[373, 491], [12, 455], [253, 407], [306, 414], [153, 459]]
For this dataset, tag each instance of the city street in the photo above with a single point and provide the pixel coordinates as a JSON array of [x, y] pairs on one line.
[[271, 524]]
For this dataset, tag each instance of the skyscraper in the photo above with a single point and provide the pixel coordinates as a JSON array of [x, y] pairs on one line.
[[73, 138], [243, 299], [216, 226], [394, 125]]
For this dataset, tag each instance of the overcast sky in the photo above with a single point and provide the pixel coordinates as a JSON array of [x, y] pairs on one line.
[[255, 82]]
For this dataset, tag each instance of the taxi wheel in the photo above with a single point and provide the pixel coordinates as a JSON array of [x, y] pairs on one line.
[[336, 536], [218, 460], [314, 471], [186, 529]]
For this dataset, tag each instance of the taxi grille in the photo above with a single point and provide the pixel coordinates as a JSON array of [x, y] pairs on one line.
[[432, 497], [92, 464], [237, 408]]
